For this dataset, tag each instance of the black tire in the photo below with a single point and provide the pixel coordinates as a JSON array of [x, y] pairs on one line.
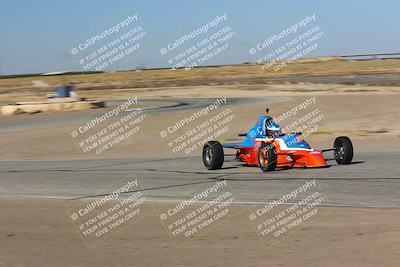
[[213, 155], [343, 150], [267, 157]]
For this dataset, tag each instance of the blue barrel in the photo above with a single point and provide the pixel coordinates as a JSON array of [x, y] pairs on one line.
[[63, 91]]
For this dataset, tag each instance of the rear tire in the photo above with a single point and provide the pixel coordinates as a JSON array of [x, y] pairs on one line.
[[343, 150], [213, 155], [267, 157]]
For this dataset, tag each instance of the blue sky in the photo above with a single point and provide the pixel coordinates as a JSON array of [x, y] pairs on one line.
[[37, 36]]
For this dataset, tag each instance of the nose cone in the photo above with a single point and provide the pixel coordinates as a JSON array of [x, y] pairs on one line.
[[316, 159]]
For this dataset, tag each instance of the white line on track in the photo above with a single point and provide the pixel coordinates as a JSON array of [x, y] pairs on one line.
[[169, 201]]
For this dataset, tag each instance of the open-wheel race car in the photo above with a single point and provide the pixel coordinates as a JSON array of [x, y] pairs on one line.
[[267, 147]]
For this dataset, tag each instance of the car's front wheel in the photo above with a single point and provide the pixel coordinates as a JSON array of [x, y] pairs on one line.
[[343, 150], [267, 157]]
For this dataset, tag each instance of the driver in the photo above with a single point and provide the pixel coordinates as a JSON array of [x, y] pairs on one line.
[[273, 130]]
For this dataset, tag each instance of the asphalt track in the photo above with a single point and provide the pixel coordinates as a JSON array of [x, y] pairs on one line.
[[371, 181]]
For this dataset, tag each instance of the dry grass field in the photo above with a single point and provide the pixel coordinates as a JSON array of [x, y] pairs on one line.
[[121, 84]]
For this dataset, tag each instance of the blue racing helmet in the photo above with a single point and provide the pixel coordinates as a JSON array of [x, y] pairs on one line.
[[272, 128]]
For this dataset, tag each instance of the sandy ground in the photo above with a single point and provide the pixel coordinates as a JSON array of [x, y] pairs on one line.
[[362, 117], [39, 233]]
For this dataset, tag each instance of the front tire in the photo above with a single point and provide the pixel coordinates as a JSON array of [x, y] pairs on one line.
[[213, 155], [343, 150], [267, 157]]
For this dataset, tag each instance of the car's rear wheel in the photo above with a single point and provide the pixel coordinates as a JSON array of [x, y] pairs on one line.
[[343, 150], [213, 155], [267, 157]]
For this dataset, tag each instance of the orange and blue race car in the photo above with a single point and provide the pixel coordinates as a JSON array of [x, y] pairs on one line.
[[267, 147]]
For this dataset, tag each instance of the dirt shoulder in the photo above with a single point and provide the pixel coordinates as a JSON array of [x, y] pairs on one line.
[[39, 233]]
